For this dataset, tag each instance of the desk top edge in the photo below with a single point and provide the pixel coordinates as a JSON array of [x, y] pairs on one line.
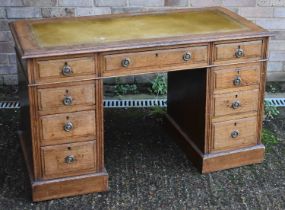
[[28, 48]]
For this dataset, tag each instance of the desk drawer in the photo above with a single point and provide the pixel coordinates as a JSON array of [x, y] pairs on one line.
[[66, 98], [234, 134], [186, 57], [68, 159], [69, 127], [236, 76], [235, 102], [65, 69], [238, 51]]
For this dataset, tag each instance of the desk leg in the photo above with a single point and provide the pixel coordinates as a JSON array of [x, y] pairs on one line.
[[70, 185]]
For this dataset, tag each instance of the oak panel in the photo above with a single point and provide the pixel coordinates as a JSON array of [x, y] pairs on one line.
[[52, 70], [222, 131], [156, 59], [227, 52], [224, 77], [52, 127], [55, 159], [223, 103], [53, 98]]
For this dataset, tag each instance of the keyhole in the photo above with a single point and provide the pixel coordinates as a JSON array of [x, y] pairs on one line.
[[235, 124], [67, 117], [69, 148], [236, 96], [66, 91], [156, 54]]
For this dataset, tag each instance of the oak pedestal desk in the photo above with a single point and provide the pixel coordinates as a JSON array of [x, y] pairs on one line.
[[216, 63]]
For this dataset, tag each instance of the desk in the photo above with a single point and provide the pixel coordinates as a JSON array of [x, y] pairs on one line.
[[216, 63]]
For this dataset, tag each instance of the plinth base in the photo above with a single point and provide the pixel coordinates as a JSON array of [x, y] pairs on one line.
[[63, 187], [217, 161]]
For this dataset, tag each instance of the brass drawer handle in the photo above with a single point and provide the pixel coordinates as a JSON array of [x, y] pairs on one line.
[[235, 134], [239, 52], [237, 81], [235, 104], [126, 62], [187, 56], [69, 159], [66, 70], [67, 100], [68, 126]]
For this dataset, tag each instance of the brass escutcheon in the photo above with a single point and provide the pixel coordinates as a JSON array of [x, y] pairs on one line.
[[125, 62], [69, 159], [67, 100], [235, 134], [187, 56], [237, 81], [68, 126], [235, 104], [239, 52], [66, 70]]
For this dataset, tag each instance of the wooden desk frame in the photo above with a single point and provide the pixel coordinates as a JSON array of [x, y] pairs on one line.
[[192, 92]]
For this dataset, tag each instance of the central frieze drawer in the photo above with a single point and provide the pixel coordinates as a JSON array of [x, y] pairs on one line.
[[187, 57], [234, 134], [68, 159], [236, 102], [66, 97], [69, 127]]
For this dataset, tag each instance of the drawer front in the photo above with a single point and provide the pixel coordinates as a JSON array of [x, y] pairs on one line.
[[229, 52], [66, 97], [234, 134], [236, 76], [235, 102], [68, 159], [157, 58], [65, 69], [69, 127]]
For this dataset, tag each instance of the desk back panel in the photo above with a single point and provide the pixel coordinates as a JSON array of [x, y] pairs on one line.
[[186, 102]]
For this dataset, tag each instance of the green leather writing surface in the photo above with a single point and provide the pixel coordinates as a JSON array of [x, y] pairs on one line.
[[102, 30]]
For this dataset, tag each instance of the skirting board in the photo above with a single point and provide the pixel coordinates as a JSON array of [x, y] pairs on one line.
[[63, 187], [207, 163]]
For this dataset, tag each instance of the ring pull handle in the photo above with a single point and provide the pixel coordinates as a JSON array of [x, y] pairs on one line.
[[126, 62], [68, 126], [187, 56], [239, 52], [67, 70], [237, 81], [235, 134], [67, 100], [235, 104], [69, 159]]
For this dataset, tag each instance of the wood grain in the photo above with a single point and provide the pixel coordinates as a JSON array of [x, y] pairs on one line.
[[55, 164], [51, 70], [225, 52], [248, 102], [237, 158], [222, 139], [52, 98], [70, 186], [52, 127], [224, 76], [155, 59], [199, 99]]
